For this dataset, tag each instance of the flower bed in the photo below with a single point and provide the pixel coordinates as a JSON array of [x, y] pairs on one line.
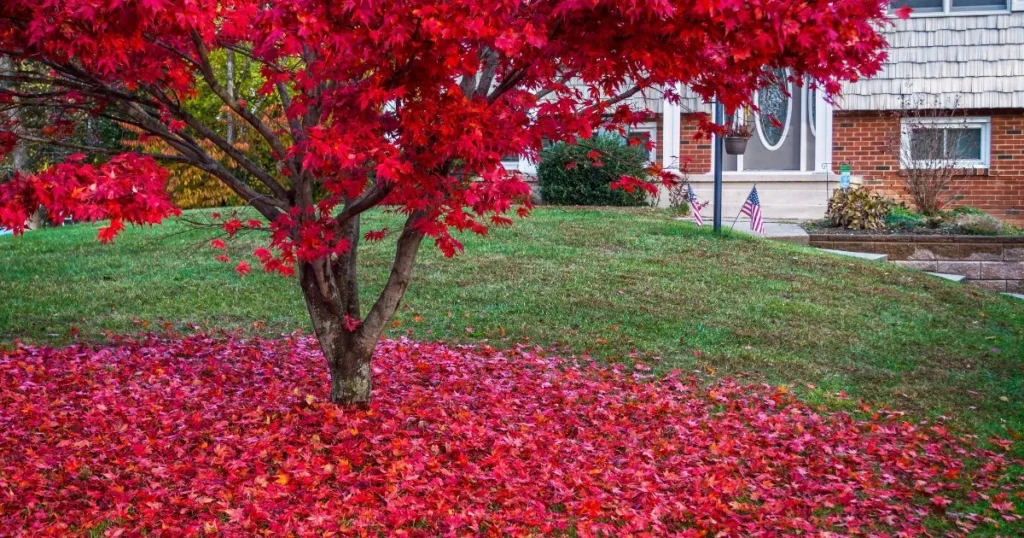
[[227, 436]]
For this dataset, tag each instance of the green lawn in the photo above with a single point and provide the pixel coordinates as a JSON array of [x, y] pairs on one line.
[[619, 284]]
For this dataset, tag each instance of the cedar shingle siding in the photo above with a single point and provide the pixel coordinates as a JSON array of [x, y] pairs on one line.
[[977, 60]]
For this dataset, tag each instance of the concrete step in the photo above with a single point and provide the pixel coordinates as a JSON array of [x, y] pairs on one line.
[[1015, 295], [947, 276], [860, 255]]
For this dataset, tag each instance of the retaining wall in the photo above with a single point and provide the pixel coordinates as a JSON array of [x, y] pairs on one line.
[[995, 263]]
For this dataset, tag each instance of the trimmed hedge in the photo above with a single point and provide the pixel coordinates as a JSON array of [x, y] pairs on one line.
[[583, 183]]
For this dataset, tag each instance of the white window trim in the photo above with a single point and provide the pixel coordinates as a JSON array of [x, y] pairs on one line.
[[948, 11], [522, 164], [785, 128], [984, 123]]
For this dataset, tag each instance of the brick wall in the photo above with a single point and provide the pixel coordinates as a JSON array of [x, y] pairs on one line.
[[859, 139], [696, 149]]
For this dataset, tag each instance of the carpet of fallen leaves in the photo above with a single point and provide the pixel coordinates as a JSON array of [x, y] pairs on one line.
[[228, 436]]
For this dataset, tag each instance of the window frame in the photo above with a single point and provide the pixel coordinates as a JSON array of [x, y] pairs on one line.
[[983, 123], [650, 128], [788, 90], [810, 98], [949, 11]]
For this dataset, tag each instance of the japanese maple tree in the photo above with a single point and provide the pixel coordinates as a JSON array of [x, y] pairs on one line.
[[406, 104]]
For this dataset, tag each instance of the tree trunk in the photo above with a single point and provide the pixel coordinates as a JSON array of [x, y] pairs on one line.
[[331, 290], [230, 89], [347, 352]]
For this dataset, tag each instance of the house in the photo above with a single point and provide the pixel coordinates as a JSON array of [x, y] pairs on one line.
[[970, 52], [966, 53]]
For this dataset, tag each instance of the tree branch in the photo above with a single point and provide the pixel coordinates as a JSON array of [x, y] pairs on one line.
[[398, 281], [547, 91], [237, 156], [94, 149], [211, 80], [369, 199], [487, 76]]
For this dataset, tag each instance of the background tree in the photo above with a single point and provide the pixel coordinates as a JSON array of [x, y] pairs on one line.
[[407, 104], [34, 148]]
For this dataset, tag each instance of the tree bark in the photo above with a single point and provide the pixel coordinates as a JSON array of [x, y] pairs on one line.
[[332, 298], [230, 88], [347, 352], [19, 155]]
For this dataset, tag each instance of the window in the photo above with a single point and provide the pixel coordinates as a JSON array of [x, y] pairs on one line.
[[510, 162], [945, 142], [645, 133], [812, 108], [642, 133], [950, 6], [775, 106]]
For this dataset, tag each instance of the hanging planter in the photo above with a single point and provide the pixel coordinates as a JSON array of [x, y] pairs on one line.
[[736, 139], [736, 145]]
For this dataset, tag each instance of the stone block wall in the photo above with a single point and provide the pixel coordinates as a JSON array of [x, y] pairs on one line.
[[995, 263]]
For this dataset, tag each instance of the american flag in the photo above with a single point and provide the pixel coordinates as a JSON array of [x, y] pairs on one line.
[[694, 205], [752, 209]]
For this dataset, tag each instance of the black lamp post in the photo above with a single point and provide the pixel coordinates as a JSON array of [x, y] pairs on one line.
[[719, 151]]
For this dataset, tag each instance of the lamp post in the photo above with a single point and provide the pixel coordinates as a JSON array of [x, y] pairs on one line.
[[719, 150]]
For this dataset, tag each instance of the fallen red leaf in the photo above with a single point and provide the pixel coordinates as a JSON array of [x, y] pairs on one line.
[[234, 437]]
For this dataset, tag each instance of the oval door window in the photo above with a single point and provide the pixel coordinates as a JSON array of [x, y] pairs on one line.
[[776, 107], [812, 109]]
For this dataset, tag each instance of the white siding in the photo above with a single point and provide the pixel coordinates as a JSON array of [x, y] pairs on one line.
[[976, 61]]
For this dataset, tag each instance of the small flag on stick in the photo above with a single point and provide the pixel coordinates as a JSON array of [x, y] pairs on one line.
[[752, 208], [694, 205]]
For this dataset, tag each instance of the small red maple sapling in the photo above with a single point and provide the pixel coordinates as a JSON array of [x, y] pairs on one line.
[[405, 104]]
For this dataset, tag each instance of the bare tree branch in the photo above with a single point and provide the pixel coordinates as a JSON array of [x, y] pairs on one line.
[[94, 149], [211, 80], [490, 58], [398, 281], [236, 155], [369, 199]]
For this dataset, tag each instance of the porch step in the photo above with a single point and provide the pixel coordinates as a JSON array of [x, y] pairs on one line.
[[947, 276], [1015, 295], [860, 255]]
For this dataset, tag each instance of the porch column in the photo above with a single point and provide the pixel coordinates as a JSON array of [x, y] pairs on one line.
[[823, 139], [670, 133]]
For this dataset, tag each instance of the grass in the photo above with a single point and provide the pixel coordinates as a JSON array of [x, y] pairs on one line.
[[629, 285]]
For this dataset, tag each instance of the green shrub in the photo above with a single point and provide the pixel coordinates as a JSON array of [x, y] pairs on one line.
[[967, 210], [682, 210], [901, 218], [857, 208], [979, 224], [567, 176]]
